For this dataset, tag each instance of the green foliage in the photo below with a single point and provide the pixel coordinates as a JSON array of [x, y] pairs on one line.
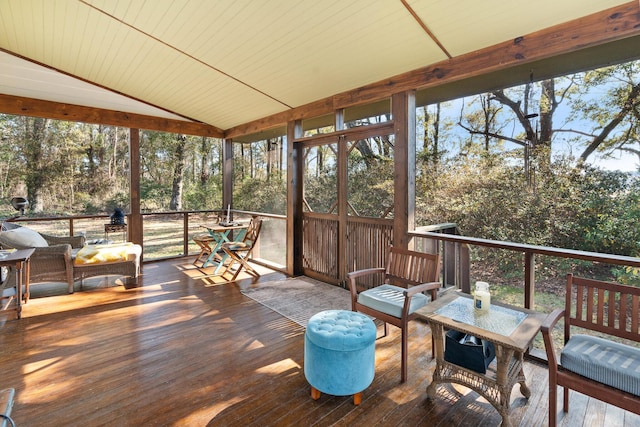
[[584, 209], [259, 195], [154, 196], [207, 196], [370, 185], [610, 213], [320, 193], [627, 275]]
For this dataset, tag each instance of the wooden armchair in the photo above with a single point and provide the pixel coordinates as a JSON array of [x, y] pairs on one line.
[[596, 364], [49, 263], [239, 252], [394, 293]]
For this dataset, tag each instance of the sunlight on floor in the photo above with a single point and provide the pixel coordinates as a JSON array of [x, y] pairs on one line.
[[30, 368], [279, 367], [209, 412], [254, 345]]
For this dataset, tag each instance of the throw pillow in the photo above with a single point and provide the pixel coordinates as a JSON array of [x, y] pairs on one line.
[[22, 238]]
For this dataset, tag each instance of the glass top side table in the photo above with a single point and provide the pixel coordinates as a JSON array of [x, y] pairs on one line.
[[511, 329]]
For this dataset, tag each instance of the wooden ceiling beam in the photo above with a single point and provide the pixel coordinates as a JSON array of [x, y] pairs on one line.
[[76, 113], [598, 29]]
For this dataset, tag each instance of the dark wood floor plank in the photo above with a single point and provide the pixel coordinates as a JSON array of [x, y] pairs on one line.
[[179, 351]]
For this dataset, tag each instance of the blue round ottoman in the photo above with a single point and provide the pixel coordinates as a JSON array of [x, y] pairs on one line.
[[339, 353]]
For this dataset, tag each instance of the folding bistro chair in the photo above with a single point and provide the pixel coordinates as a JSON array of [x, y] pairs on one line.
[[204, 242], [239, 252]]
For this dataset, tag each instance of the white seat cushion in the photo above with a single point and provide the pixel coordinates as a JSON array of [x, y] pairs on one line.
[[389, 299]]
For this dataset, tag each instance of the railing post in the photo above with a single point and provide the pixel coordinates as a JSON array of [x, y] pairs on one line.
[[463, 269], [449, 263], [185, 231], [529, 278]]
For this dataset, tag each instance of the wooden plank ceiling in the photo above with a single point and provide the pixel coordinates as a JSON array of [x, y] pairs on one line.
[[229, 62]]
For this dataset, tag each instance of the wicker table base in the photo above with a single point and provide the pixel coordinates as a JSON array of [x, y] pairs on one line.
[[495, 386], [510, 329]]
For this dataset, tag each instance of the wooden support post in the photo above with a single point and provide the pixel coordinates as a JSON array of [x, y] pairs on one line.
[[343, 202], [135, 217], [185, 232], [464, 267], [403, 110], [343, 217], [295, 156], [227, 173], [449, 263]]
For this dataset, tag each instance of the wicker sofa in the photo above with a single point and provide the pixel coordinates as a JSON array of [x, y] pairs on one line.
[[53, 259], [50, 263]]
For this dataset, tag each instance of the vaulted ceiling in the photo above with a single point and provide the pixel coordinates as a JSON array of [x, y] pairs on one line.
[[226, 63]]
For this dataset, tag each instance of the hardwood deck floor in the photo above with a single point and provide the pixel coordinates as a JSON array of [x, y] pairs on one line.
[[179, 351]]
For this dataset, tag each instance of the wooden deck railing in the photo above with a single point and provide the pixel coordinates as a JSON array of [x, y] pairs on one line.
[[455, 257], [319, 244], [529, 252], [368, 239], [366, 242], [169, 234]]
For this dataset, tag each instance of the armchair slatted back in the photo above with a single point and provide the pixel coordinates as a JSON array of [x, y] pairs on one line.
[[605, 307], [408, 268], [253, 231]]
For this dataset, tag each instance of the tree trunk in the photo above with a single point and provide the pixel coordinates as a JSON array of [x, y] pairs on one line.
[[36, 130], [178, 174], [205, 169], [548, 105], [436, 135]]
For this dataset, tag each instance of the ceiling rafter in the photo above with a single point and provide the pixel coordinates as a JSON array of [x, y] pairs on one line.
[[426, 28]]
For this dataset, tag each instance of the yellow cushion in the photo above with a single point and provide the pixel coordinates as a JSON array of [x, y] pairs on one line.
[[95, 254]]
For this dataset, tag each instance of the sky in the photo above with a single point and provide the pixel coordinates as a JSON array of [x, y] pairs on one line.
[[626, 163], [561, 143]]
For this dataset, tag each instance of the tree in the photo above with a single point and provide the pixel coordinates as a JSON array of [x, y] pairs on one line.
[[615, 116], [178, 172], [597, 121], [35, 139]]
